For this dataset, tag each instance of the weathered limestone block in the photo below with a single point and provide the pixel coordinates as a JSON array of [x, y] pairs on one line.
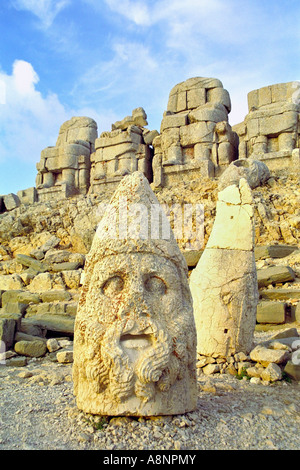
[[55, 295], [135, 338], [271, 373], [35, 348], [27, 196], [138, 118], [59, 323], [32, 263], [11, 201], [265, 356], [292, 369], [273, 251], [64, 357], [280, 294], [274, 275], [224, 282], [271, 312], [11, 282]]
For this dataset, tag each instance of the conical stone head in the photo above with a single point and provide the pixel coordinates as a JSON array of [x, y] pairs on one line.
[[135, 337]]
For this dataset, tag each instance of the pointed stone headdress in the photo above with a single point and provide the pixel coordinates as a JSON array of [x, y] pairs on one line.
[[134, 222]]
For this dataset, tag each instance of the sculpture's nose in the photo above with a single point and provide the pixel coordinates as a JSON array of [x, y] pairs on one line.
[[136, 306]]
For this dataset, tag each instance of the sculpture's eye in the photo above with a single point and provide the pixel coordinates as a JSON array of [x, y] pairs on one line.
[[155, 285], [113, 286]]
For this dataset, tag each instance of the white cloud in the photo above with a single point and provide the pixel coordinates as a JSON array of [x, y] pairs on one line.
[[29, 122], [45, 10]]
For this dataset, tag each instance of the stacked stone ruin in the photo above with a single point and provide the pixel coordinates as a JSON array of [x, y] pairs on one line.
[[270, 131], [195, 141]]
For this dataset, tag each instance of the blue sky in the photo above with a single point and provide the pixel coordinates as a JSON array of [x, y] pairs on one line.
[[103, 58]]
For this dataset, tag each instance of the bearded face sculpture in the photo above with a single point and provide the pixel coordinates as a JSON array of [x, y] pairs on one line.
[[135, 339]]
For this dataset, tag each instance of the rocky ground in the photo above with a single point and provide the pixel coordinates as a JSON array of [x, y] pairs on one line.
[[38, 412], [37, 405]]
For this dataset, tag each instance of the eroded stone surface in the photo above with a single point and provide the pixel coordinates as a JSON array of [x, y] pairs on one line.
[[224, 282]]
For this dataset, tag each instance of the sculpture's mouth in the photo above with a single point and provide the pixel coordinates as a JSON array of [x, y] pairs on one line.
[[136, 338]]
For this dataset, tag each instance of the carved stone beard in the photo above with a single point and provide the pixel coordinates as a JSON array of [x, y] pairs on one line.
[[127, 371]]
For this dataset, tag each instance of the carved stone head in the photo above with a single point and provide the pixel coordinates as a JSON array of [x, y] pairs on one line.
[[135, 337]]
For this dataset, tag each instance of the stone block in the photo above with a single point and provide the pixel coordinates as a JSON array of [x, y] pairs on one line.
[[278, 123], [52, 345], [181, 101], [27, 196], [18, 361], [274, 275], [64, 357], [279, 92], [55, 295], [271, 312], [72, 279], [35, 348], [293, 370], [23, 297], [58, 323], [32, 263], [208, 113], [196, 132], [196, 97], [264, 96], [265, 356], [14, 307], [220, 96], [7, 331], [253, 102], [33, 330], [11, 201], [51, 243], [42, 282], [280, 294], [150, 136], [273, 251], [67, 266], [11, 282], [272, 373], [173, 120]]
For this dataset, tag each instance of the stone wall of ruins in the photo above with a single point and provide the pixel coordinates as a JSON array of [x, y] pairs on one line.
[[195, 138], [270, 131], [64, 170], [195, 141]]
